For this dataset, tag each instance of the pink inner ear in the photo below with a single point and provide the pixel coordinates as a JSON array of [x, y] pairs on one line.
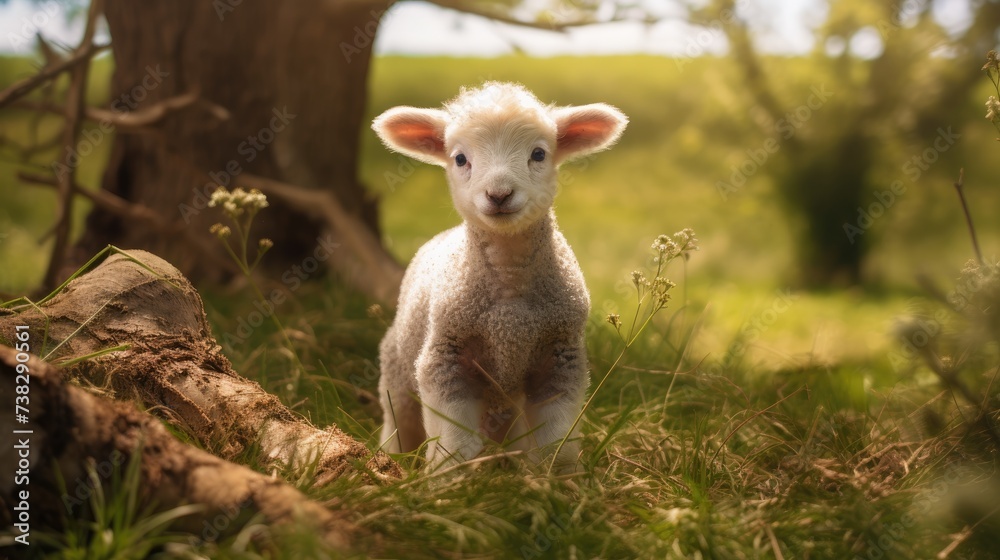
[[584, 133], [417, 134]]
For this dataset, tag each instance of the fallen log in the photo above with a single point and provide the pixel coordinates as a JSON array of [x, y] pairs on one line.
[[66, 428], [166, 358]]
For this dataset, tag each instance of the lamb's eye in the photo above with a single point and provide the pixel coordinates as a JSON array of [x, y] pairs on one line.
[[460, 160], [538, 154]]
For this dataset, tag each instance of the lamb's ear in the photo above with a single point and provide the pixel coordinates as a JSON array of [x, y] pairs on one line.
[[418, 133], [586, 129]]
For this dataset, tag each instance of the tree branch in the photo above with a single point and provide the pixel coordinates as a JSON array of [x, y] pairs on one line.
[[124, 209], [137, 119], [75, 103], [27, 85], [476, 8]]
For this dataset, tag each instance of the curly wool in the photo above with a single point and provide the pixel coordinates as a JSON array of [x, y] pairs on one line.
[[488, 340]]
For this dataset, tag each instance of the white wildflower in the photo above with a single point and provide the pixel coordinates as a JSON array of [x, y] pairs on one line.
[[993, 109]]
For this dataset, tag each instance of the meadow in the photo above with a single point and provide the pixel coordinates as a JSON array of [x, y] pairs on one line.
[[751, 419]]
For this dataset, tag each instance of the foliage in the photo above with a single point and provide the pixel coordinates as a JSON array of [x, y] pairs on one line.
[[833, 128]]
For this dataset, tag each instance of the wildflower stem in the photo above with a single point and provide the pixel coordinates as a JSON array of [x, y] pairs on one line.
[[232, 254], [635, 319], [968, 217], [641, 328], [241, 208], [299, 368], [586, 405], [666, 250], [597, 389]]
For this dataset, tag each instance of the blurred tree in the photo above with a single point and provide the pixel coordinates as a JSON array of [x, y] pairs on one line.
[[909, 81], [293, 79]]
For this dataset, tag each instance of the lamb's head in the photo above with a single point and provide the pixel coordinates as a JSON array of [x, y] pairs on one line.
[[501, 148]]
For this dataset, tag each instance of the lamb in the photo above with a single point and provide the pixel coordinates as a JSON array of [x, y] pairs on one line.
[[488, 339]]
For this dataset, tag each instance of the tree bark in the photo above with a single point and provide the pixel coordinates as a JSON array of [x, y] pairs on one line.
[[293, 77], [71, 428], [174, 366]]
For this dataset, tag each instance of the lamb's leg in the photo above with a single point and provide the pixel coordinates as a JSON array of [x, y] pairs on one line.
[[402, 429], [390, 436], [451, 389], [557, 398], [455, 423], [552, 421]]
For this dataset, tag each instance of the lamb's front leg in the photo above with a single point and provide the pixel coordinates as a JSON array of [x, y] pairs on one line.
[[451, 392], [556, 390]]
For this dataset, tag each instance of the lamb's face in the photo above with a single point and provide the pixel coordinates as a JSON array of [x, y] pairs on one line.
[[501, 148], [501, 168]]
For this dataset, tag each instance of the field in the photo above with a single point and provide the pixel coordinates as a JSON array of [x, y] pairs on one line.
[[752, 419]]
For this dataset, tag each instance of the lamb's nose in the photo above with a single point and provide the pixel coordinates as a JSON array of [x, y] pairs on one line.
[[499, 199]]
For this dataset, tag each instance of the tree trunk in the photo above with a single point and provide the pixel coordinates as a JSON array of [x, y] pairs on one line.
[[825, 188], [167, 359], [293, 78]]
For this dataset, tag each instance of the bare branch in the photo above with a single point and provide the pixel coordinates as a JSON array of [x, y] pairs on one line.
[[476, 8], [75, 98], [27, 85], [124, 209], [132, 120]]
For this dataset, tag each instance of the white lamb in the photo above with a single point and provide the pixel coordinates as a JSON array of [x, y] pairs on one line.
[[488, 340]]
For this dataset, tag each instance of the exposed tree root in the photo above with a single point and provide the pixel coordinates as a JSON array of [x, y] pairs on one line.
[[174, 366], [71, 428]]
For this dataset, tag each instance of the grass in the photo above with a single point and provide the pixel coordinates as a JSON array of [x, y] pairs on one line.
[[750, 421], [692, 464]]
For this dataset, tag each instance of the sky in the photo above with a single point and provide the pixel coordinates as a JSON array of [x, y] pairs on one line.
[[420, 28]]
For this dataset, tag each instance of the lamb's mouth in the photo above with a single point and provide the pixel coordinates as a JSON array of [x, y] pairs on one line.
[[501, 212]]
